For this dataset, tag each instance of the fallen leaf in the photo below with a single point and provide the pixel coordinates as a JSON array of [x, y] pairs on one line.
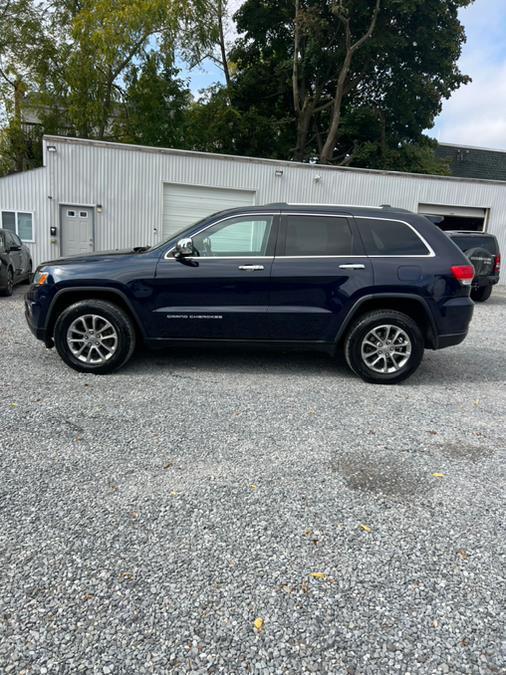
[[88, 596], [435, 623], [320, 576], [253, 486], [168, 465], [13, 405], [305, 586], [463, 554], [126, 576], [114, 488], [438, 475], [308, 533], [173, 493], [365, 528], [134, 514], [258, 623]]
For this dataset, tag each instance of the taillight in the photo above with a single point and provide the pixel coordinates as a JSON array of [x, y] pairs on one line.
[[497, 266], [463, 273]]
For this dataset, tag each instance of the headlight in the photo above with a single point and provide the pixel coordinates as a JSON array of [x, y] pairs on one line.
[[40, 278]]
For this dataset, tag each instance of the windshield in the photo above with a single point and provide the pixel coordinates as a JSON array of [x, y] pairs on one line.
[[177, 235]]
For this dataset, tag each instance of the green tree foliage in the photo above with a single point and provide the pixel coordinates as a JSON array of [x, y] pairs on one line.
[[389, 92], [155, 105], [350, 82]]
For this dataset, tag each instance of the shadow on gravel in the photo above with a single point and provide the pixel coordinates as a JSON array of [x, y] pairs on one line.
[[443, 367], [185, 362]]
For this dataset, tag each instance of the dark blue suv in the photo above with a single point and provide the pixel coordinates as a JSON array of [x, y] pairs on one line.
[[382, 284]]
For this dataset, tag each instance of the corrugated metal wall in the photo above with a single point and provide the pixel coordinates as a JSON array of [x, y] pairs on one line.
[[127, 181]]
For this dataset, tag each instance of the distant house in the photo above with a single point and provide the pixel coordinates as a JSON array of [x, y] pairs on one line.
[[467, 161]]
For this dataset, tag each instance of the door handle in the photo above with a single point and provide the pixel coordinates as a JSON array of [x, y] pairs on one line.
[[352, 266], [251, 268]]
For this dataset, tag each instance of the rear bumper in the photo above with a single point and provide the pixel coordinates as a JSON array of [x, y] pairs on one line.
[[450, 340], [453, 322]]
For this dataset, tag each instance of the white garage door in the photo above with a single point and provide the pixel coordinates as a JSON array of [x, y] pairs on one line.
[[184, 205]]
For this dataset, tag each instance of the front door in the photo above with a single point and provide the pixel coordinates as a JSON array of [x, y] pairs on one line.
[[318, 269], [76, 224], [222, 291]]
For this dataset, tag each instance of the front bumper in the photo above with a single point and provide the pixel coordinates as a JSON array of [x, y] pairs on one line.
[[35, 313]]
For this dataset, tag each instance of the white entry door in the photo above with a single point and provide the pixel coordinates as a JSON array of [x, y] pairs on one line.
[[184, 205], [76, 223]]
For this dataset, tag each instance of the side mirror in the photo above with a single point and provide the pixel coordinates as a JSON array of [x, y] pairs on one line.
[[184, 247]]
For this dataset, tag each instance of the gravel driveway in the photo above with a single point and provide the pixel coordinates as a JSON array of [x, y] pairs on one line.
[[149, 518]]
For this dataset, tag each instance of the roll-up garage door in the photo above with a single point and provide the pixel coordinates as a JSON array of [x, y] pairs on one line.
[[184, 205], [456, 217]]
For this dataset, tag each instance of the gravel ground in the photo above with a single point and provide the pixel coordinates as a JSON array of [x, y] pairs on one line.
[[148, 518]]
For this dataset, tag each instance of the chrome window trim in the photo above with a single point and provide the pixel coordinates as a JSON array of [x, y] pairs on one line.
[[216, 222], [431, 253]]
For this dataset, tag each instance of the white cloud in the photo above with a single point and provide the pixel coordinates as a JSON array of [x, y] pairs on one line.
[[476, 113]]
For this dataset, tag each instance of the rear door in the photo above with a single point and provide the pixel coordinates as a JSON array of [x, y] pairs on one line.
[[319, 268]]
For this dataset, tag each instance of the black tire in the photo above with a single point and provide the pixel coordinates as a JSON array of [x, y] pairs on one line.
[[481, 294], [361, 328], [7, 291], [106, 312], [28, 277]]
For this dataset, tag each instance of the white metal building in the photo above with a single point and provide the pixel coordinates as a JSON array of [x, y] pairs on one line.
[[94, 195]]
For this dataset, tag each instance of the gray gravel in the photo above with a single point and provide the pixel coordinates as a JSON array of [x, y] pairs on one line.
[[147, 518]]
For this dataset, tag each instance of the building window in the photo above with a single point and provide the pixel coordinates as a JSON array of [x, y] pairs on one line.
[[83, 214], [71, 214], [19, 222]]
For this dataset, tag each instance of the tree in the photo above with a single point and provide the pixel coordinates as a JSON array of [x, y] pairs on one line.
[[155, 104], [370, 73]]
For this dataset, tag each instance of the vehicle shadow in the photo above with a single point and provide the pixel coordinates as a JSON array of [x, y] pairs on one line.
[[190, 362], [462, 365]]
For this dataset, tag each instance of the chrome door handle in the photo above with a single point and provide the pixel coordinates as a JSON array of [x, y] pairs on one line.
[[353, 266], [251, 268]]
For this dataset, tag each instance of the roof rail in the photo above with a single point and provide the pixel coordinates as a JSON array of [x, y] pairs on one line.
[[385, 207]]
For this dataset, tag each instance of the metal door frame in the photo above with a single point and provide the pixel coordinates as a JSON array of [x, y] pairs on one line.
[[66, 205]]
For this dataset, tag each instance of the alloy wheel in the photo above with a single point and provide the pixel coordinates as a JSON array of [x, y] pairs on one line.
[[386, 348], [92, 339]]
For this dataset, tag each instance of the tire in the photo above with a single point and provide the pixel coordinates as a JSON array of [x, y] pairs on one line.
[[7, 291], [75, 328], [28, 277], [481, 294], [407, 357], [482, 260]]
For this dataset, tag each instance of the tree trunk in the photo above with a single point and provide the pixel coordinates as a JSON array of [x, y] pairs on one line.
[[19, 139], [224, 59], [330, 142], [304, 119]]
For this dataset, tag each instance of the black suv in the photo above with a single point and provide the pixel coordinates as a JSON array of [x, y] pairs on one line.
[[482, 249], [15, 262], [382, 284]]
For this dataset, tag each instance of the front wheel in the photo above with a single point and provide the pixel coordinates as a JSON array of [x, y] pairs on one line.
[[481, 294], [94, 336], [7, 291], [384, 347]]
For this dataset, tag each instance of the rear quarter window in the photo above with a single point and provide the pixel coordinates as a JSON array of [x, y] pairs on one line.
[[390, 237]]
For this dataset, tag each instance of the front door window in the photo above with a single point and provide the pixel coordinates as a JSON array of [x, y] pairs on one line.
[[234, 238]]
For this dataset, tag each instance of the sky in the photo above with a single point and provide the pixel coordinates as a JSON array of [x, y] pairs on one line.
[[476, 113]]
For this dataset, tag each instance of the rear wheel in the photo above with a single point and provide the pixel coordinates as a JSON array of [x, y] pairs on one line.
[[10, 284], [384, 347], [94, 336], [481, 294]]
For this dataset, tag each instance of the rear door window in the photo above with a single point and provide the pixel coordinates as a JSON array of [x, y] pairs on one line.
[[390, 238], [313, 235]]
